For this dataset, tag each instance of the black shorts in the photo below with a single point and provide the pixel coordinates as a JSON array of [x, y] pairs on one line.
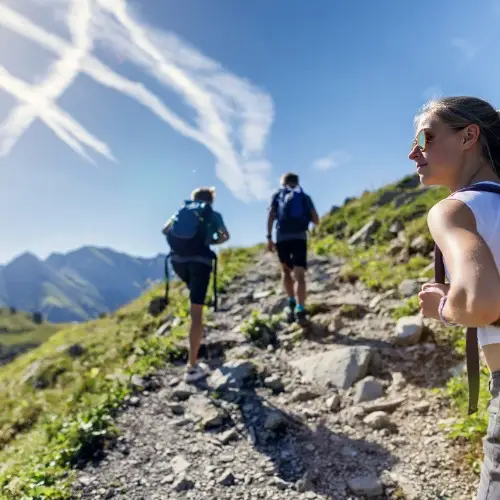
[[196, 276], [293, 253]]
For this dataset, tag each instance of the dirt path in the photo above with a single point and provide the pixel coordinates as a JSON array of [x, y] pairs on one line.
[[337, 410]]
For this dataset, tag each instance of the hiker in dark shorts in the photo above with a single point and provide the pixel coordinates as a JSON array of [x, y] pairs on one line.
[[190, 232], [457, 145], [293, 210]]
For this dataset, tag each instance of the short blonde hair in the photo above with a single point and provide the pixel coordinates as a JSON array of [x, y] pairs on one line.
[[206, 194]]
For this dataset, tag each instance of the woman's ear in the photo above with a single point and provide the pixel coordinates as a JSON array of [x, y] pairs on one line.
[[470, 136]]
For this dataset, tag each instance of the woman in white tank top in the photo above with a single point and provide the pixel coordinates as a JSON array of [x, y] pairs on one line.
[[457, 144]]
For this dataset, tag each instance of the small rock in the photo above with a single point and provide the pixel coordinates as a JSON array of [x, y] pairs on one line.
[[134, 401], [228, 436], [137, 381], [200, 406], [336, 323], [183, 392], [364, 234], [396, 227], [179, 464], [302, 395], [176, 408], [368, 389], [422, 407], [262, 294], [408, 330], [232, 375], [377, 420], [226, 479], [274, 383], [274, 420], [110, 493], [370, 486], [279, 483], [333, 402], [183, 484], [398, 381], [387, 406], [421, 244], [163, 329]]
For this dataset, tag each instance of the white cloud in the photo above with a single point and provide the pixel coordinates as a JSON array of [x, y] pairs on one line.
[[333, 160], [233, 116], [467, 49]]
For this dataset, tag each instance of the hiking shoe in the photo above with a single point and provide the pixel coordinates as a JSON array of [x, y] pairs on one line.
[[301, 315], [290, 315], [195, 373]]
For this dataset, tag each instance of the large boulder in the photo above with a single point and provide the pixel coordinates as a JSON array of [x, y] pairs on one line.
[[340, 368]]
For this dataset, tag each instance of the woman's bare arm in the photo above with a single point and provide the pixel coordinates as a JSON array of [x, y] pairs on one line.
[[474, 294]]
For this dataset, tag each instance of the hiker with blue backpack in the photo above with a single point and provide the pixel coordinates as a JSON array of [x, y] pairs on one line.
[[293, 210], [457, 145], [190, 232]]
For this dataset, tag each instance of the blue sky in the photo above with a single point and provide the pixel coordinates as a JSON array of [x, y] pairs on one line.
[[112, 112]]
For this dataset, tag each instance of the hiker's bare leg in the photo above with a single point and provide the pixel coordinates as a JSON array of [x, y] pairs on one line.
[[195, 333], [299, 274], [286, 276]]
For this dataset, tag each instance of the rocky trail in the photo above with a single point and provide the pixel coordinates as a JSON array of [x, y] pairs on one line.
[[338, 409]]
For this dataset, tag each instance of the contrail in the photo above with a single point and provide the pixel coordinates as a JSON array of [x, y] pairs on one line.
[[59, 78], [61, 123], [218, 97], [210, 122]]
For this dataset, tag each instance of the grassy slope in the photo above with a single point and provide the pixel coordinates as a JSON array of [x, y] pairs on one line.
[[18, 329], [375, 267], [43, 432]]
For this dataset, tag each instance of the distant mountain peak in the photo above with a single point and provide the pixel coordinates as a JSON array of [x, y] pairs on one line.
[[77, 285]]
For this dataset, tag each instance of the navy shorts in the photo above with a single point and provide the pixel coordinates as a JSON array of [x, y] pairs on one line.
[[293, 253], [196, 275]]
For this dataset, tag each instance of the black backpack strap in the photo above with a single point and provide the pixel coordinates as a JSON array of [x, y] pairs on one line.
[[471, 347], [483, 187]]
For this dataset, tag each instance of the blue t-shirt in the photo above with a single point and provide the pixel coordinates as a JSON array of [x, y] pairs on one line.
[[280, 236]]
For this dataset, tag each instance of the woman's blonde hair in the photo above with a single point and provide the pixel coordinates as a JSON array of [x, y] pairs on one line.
[[460, 111]]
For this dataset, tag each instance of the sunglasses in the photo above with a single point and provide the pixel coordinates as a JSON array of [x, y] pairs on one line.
[[420, 140]]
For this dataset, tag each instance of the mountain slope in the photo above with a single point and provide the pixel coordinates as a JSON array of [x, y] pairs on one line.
[[19, 333], [78, 285], [57, 399]]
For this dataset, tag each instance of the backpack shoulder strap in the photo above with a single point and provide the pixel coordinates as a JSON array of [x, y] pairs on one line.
[[482, 187], [471, 347]]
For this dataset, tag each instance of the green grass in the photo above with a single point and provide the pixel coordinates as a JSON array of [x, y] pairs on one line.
[[374, 265], [45, 432], [17, 328], [260, 328]]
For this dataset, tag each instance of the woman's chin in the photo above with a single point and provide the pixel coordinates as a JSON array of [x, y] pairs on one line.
[[425, 178]]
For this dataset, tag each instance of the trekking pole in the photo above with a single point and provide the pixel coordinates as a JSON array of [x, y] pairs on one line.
[[215, 283], [167, 279]]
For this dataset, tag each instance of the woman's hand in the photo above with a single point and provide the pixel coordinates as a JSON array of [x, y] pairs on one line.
[[429, 298]]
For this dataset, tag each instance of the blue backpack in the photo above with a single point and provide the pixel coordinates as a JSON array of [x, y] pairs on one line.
[[187, 235], [293, 214]]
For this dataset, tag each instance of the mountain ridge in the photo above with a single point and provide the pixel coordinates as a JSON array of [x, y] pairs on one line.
[[77, 285]]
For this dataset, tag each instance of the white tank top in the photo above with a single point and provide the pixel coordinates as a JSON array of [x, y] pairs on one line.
[[486, 210]]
